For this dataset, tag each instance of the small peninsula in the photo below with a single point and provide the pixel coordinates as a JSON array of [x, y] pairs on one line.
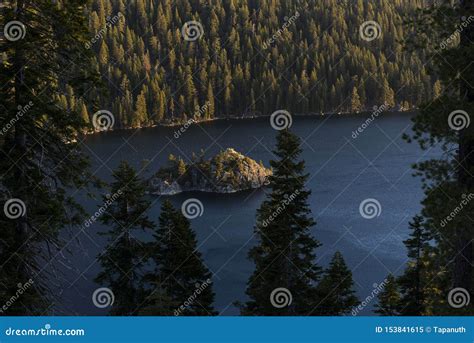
[[227, 172]]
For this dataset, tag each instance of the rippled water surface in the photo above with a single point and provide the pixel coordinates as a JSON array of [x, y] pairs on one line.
[[343, 172]]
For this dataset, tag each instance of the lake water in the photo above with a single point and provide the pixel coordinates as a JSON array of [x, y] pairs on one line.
[[343, 172]]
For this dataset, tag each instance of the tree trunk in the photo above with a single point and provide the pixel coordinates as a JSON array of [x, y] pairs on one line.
[[20, 145]]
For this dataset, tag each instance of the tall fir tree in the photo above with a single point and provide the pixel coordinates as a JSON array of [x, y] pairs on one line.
[[39, 157], [356, 105], [159, 303], [389, 298], [285, 256], [125, 255], [412, 282], [180, 273], [336, 289], [444, 123]]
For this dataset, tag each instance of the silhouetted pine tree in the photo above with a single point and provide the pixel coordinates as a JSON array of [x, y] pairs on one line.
[[180, 272], [336, 289], [285, 255], [389, 298], [412, 282], [159, 303], [124, 256]]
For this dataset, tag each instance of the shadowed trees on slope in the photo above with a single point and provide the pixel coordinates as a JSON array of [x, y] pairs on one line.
[[39, 158]]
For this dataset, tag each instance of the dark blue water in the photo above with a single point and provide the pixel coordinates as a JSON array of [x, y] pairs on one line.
[[343, 172]]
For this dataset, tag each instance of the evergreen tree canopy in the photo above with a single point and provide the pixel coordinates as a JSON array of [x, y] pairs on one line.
[[389, 298], [125, 256], [285, 255], [442, 33], [180, 274], [236, 65], [336, 289]]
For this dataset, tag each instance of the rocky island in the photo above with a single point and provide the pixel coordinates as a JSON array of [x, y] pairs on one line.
[[227, 172]]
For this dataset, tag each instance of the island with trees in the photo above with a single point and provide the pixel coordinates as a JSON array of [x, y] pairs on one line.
[[226, 172]]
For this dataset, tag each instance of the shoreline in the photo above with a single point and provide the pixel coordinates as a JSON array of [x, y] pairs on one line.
[[191, 122]]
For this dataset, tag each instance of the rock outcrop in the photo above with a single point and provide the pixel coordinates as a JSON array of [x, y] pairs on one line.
[[226, 172]]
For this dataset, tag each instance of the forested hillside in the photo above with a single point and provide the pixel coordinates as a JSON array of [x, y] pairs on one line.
[[252, 57]]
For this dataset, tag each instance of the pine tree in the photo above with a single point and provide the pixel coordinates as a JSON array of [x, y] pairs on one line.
[[389, 298], [180, 271], [448, 180], [181, 167], [159, 303], [356, 105], [412, 282], [39, 159], [141, 114], [124, 257], [336, 289], [387, 95], [285, 255]]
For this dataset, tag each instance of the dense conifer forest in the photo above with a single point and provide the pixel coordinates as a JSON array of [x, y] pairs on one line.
[[249, 58]]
